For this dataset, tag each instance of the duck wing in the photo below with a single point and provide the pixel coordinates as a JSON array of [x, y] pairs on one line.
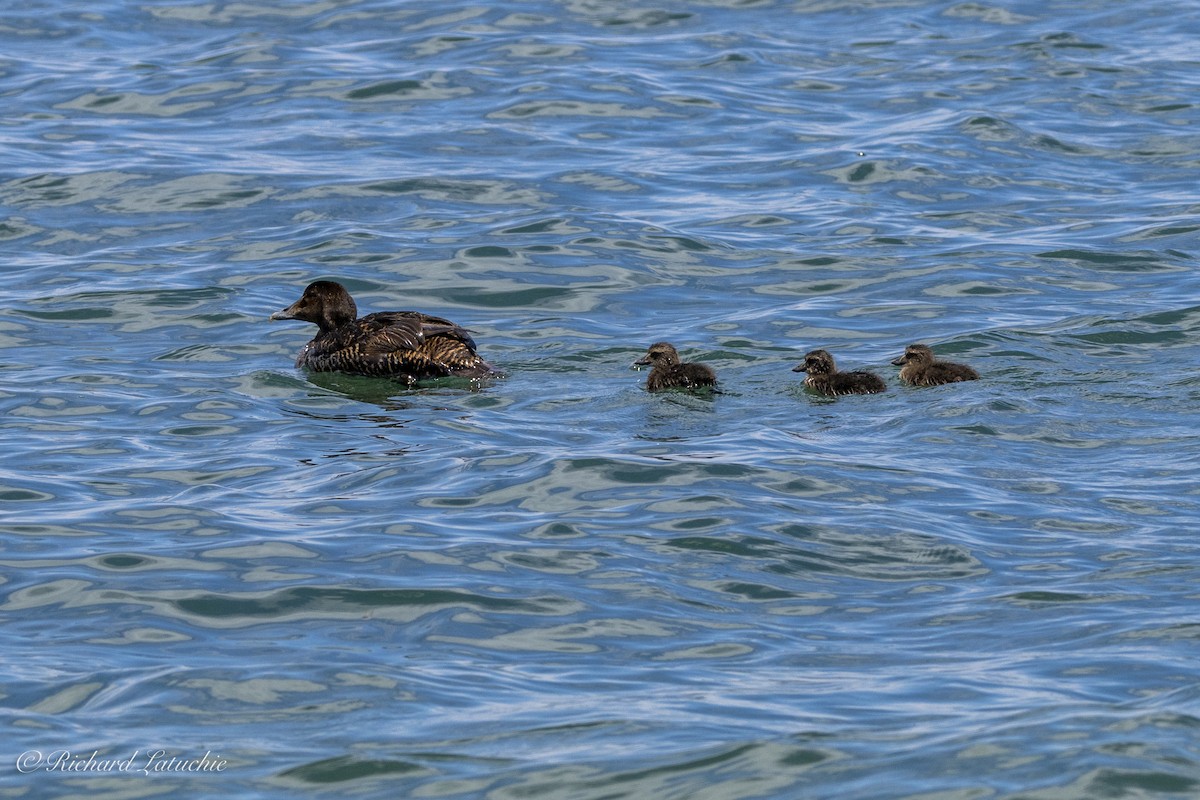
[[394, 331]]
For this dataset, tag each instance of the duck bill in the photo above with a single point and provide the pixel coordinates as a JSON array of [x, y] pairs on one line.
[[799, 368], [644, 361], [899, 362], [286, 313]]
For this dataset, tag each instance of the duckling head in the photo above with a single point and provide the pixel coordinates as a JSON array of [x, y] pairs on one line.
[[817, 362], [660, 354], [915, 354]]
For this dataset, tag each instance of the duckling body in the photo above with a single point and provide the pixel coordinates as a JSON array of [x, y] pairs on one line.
[[919, 367], [403, 345], [823, 377], [668, 372]]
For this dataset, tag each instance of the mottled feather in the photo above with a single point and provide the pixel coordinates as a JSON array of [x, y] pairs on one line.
[[403, 345]]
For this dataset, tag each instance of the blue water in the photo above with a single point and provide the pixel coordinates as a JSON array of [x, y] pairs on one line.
[[555, 585]]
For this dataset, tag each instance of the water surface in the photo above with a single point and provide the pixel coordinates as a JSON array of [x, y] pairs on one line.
[[554, 584]]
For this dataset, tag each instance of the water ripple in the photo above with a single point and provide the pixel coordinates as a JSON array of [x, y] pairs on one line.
[[553, 582]]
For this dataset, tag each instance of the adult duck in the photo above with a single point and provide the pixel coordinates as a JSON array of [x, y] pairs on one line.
[[403, 345]]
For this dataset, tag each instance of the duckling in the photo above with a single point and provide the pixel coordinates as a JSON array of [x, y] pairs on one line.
[[920, 368], [404, 345], [823, 377], [669, 373]]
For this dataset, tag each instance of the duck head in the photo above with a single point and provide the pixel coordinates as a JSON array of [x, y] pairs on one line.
[[915, 354], [325, 303], [660, 354], [816, 362]]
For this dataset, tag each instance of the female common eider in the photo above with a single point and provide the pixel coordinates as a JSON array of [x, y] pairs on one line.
[[920, 368], [668, 373], [823, 377], [403, 345]]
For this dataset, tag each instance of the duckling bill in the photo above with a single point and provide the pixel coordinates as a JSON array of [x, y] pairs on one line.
[[403, 345], [823, 377], [919, 367], [668, 372]]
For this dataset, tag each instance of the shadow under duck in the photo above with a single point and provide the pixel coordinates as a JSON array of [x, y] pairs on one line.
[[403, 345], [823, 377], [919, 367], [668, 372]]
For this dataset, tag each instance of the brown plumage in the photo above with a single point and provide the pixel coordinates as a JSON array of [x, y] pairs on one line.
[[824, 377], [669, 373], [919, 367], [404, 345]]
